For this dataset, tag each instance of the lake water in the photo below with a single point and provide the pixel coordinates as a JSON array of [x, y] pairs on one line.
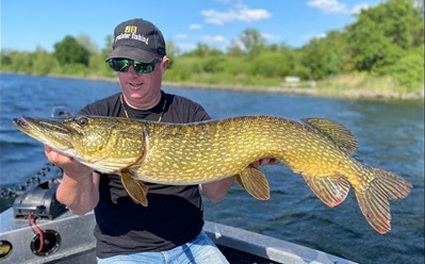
[[390, 134]]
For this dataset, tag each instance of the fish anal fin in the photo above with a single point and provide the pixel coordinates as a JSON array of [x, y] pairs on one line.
[[374, 200], [254, 182], [341, 135], [330, 190], [239, 180], [135, 189]]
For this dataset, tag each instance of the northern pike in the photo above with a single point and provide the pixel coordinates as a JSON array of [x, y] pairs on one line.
[[185, 154]]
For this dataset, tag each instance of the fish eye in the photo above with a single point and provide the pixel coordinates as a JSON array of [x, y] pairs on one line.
[[82, 121]]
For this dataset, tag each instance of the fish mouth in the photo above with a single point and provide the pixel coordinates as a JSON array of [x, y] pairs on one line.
[[21, 123], [47, 131], [29, 124]]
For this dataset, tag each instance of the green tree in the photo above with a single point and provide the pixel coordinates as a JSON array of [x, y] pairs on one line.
[[270, 64], [20, 61], [253, 41], [172, 52], [204, 50], [69, 51], [380, 34], [87, 43], [5, 59], [234, 49], [109, 41], [43, 63], [409, 69], [324, 56]]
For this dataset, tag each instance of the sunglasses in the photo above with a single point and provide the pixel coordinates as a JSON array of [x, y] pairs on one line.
[[122, 65]]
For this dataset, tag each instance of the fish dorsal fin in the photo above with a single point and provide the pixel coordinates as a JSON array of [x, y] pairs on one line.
[[341, 135], [254, 182], [135, 189]]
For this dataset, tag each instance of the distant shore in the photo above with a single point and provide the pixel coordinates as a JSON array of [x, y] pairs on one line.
[[290, 89], [284, 89], [309, 91]]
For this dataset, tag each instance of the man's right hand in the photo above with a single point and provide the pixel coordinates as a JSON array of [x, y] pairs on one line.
[[79, 187], [70, 166]]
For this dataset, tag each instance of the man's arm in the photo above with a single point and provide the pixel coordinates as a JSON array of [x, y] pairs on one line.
[[79, 187]]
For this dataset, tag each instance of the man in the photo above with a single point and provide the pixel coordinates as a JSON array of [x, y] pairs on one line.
[[170, 228]]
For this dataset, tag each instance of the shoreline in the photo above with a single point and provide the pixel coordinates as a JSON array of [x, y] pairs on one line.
[[307, 91], [290, 89]]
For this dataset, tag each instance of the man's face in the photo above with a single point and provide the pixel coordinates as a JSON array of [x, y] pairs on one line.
[[142, 87]]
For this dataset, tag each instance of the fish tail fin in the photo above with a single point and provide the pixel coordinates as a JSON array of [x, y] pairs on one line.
[[373, 197]]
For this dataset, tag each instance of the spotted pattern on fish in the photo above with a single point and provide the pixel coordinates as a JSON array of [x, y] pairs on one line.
[[318, 149]]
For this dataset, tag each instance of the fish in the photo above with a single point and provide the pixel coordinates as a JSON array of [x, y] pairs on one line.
[[318, 149]]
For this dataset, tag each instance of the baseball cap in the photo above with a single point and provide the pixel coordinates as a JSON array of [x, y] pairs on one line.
[[137, 39]]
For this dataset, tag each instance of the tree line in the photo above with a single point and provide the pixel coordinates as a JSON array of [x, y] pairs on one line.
[[385, 41]]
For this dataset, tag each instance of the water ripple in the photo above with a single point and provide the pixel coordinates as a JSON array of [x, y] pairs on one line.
[[390, 136]]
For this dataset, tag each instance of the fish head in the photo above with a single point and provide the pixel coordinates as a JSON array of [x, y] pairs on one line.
[[102, 143]]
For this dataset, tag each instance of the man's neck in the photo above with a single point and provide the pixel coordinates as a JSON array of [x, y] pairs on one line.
[[143, 104]]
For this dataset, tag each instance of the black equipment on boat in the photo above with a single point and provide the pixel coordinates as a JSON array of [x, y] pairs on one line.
[[40, 201]]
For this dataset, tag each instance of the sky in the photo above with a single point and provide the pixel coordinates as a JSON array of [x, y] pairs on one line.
[[28, 24]]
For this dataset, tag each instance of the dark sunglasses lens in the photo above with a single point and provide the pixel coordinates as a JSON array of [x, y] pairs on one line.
[[119, 65], [144, 67]]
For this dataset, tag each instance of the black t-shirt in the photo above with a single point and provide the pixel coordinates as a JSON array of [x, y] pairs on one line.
[[175, 213]]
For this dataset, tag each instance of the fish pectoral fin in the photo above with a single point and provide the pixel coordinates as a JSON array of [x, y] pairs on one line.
[[331, 190], [254, 182], [135, 189], [341, 135]]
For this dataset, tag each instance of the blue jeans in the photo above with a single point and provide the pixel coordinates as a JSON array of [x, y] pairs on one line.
[[201, 250]]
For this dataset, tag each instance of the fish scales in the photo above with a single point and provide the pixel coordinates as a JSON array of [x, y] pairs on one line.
[[224, 148], [318, 149], [221, 148]]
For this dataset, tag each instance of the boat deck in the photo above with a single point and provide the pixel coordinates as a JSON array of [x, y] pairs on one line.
[[77, 243]]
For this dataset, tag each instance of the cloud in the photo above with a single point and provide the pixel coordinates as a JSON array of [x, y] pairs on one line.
[[316, 36], [239, 13], [218, 38], [181, 36], [328, 6], [195, 26], [310, 37], [270, 36], [358, 8], [334, 6]]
